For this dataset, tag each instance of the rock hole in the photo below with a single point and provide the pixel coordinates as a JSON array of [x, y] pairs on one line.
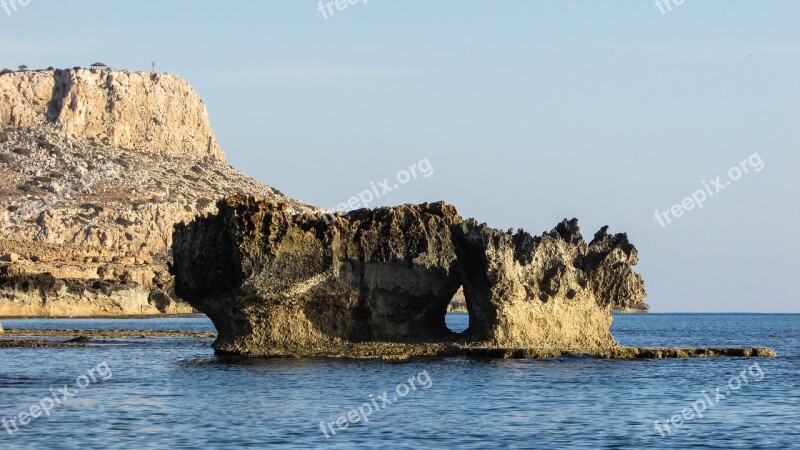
[[457, 319]]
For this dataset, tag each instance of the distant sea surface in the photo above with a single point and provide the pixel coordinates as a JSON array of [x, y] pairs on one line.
[[174, 393]]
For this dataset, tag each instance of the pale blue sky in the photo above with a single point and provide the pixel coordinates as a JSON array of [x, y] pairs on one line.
[[529, 112]]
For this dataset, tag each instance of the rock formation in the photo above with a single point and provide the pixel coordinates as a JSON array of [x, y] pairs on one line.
[[458, 303], [95, 169], [151, 112], [277, 283]]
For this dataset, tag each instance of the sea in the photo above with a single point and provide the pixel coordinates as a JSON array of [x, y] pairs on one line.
[[174, 393]]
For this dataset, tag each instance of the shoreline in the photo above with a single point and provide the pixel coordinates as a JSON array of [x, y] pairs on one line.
[[87, 334], [110, 316]]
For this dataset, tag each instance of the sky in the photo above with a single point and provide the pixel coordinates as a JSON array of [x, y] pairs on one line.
[[519, 113]]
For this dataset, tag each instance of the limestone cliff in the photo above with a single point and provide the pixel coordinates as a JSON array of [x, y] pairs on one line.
[[277, 283], [150, 112], [95, 169]]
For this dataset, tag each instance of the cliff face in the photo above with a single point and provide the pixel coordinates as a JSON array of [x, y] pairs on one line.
[[277, 283], [149, 112], [95, 169]]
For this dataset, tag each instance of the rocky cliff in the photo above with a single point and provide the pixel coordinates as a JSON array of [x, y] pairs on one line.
[[149, 112], [95, 169], [277, 283]]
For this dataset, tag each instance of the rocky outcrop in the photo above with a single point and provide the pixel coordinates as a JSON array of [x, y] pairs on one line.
[[378, 282], [545, 291], [95, 169], [458, 303], [610, 258], [44, 295]]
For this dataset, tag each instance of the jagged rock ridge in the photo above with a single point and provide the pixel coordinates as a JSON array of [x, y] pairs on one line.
[[277, 283]]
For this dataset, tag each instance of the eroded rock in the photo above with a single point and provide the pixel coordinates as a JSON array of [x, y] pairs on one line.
[[277, 283]]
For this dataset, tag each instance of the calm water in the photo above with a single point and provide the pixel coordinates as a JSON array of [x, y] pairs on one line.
[[173, 393]]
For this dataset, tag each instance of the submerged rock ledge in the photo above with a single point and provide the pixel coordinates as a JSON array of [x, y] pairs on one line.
[[377, 284], [400, 351]]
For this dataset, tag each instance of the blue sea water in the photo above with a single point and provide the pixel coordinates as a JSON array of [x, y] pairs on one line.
[[174, 393]]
